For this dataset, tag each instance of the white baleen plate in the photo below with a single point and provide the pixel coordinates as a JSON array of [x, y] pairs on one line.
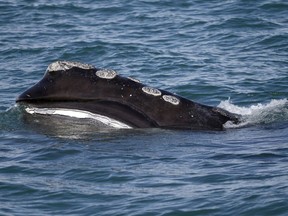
[[171, 99], [151, 91], [66, 65], [106, 73], [78, 114]]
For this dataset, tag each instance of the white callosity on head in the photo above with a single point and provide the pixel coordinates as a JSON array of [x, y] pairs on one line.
[[151, 91], [106, 73], [171, 99], [133, 79], [66, 65]]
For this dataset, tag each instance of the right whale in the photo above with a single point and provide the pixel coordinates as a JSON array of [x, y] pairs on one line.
[[74, 86]]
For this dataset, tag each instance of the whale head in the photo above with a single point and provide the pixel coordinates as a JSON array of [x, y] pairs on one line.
[[76, 86]]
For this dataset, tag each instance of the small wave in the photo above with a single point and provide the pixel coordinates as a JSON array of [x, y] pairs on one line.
[[9, 119], [272, 112]]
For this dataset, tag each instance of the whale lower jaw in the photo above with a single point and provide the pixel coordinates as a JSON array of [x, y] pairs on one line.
[[79, 114]]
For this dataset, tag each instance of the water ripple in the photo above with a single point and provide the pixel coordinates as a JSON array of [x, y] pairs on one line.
[[207, 51]]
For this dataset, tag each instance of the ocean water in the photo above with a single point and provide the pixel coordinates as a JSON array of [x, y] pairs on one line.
[[231, 54]]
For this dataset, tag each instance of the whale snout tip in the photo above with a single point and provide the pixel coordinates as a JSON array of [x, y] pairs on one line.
[[234, 118]]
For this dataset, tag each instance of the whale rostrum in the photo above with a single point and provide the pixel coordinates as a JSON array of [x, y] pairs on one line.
[[102, 92]]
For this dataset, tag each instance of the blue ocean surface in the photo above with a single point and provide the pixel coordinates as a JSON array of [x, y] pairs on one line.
[[232, 54]]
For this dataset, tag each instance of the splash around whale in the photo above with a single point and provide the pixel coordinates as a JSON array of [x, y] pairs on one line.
[[83, 91]]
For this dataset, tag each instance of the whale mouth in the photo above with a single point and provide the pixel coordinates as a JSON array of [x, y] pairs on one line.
[[108, 112], [79, 114]]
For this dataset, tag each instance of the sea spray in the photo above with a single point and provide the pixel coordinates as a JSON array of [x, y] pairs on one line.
[[274, 111]]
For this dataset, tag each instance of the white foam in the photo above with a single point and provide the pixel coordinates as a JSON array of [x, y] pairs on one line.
[[275, 110], [81, 114]]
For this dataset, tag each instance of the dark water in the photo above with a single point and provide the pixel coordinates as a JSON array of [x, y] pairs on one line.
[[231, 54]]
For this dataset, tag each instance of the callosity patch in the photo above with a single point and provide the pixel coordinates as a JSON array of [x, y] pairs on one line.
[[106, 73], [171, 99], [151, 91], [66, 65]]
